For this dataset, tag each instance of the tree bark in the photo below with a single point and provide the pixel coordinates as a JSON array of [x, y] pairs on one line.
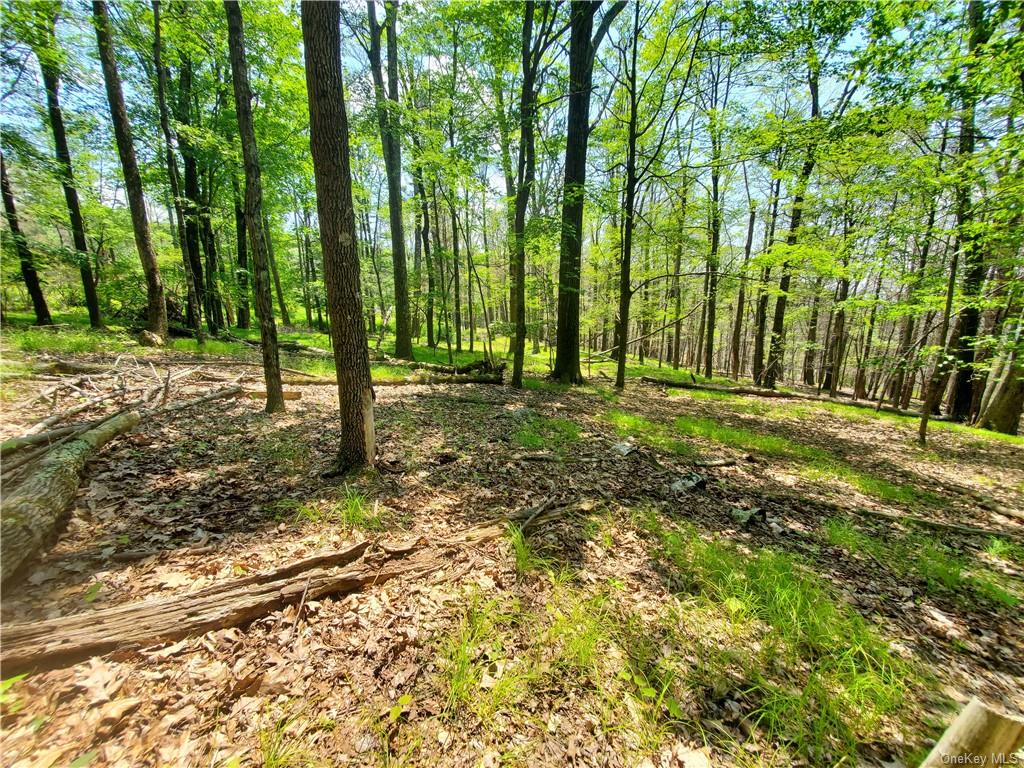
[[193, 313], [735, 362], [156, 307], [51, 82], [387, 106], [28, 269], [241, 257], [970, 238], [582, 50], [328, 136], [32, 511], [254, 207]]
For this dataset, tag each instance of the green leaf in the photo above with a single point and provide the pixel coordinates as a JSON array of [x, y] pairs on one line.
[[83, 760], [93, 591]]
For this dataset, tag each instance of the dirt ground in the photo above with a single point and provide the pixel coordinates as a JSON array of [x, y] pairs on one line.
[[223, 490]]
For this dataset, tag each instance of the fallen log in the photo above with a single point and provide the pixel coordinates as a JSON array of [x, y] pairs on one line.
[[30, 514], [59, 642], [262, 395], [15, 444], [980, 735], [415, 380]]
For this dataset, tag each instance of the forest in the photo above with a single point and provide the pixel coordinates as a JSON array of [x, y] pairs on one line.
[[511, 382]]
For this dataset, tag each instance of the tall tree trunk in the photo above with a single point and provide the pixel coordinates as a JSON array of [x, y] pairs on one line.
[[254, 208], [193, 313], [51, 82], [735, 362], [328, 138], [242, 257], [773, 369], [275, 273], [761, 311], [582, 49], [28, 270], [970, 238], [629, 210], [712, 293], [811, 349], [526, 172], [388, 112], [190, 201], [156, 307]]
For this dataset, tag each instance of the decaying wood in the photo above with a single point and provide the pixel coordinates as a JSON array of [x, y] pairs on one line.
[[262, 395], [980, 735], [426, 379], [59, 642], [16, 444], [32, 511]]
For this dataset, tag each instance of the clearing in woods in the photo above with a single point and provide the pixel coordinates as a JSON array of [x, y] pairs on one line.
[[686, 575]]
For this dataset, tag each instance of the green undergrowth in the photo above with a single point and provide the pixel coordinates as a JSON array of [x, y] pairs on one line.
[[546, 432], [349, 508], [814, 464], [938, 567], [652, 433], [820, 678], [813, 680]]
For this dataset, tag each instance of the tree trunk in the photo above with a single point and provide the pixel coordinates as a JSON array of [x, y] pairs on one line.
[[156, 307], [388, 111], [32, 511], [811, 349], [979, 736], [51, 82], [629, 209], [190, 187], [735, 362], [773, 369], [970, 238], [582, 50], [285, 319], [28, 270], [192, 306], [328, 136], [241, 257], [254, 208]]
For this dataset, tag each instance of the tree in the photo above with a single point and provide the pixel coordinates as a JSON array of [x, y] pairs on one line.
[[329, 146], [156, 306], [28, 269], [45, 46], [390, 138], [582, 49], [254, 207]]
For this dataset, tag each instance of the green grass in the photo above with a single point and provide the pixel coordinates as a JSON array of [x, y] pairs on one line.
[[924, 557], [842, 681], [544, 432], [652, 433], [352, 511], [478, 675]]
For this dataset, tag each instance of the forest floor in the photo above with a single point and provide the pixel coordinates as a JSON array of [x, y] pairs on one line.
[[672, 613]]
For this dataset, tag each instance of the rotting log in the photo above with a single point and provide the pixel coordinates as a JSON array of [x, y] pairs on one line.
[[52, 643], [415, 380], [980, 735], [262, 395], [58, 642], [32, 511]]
